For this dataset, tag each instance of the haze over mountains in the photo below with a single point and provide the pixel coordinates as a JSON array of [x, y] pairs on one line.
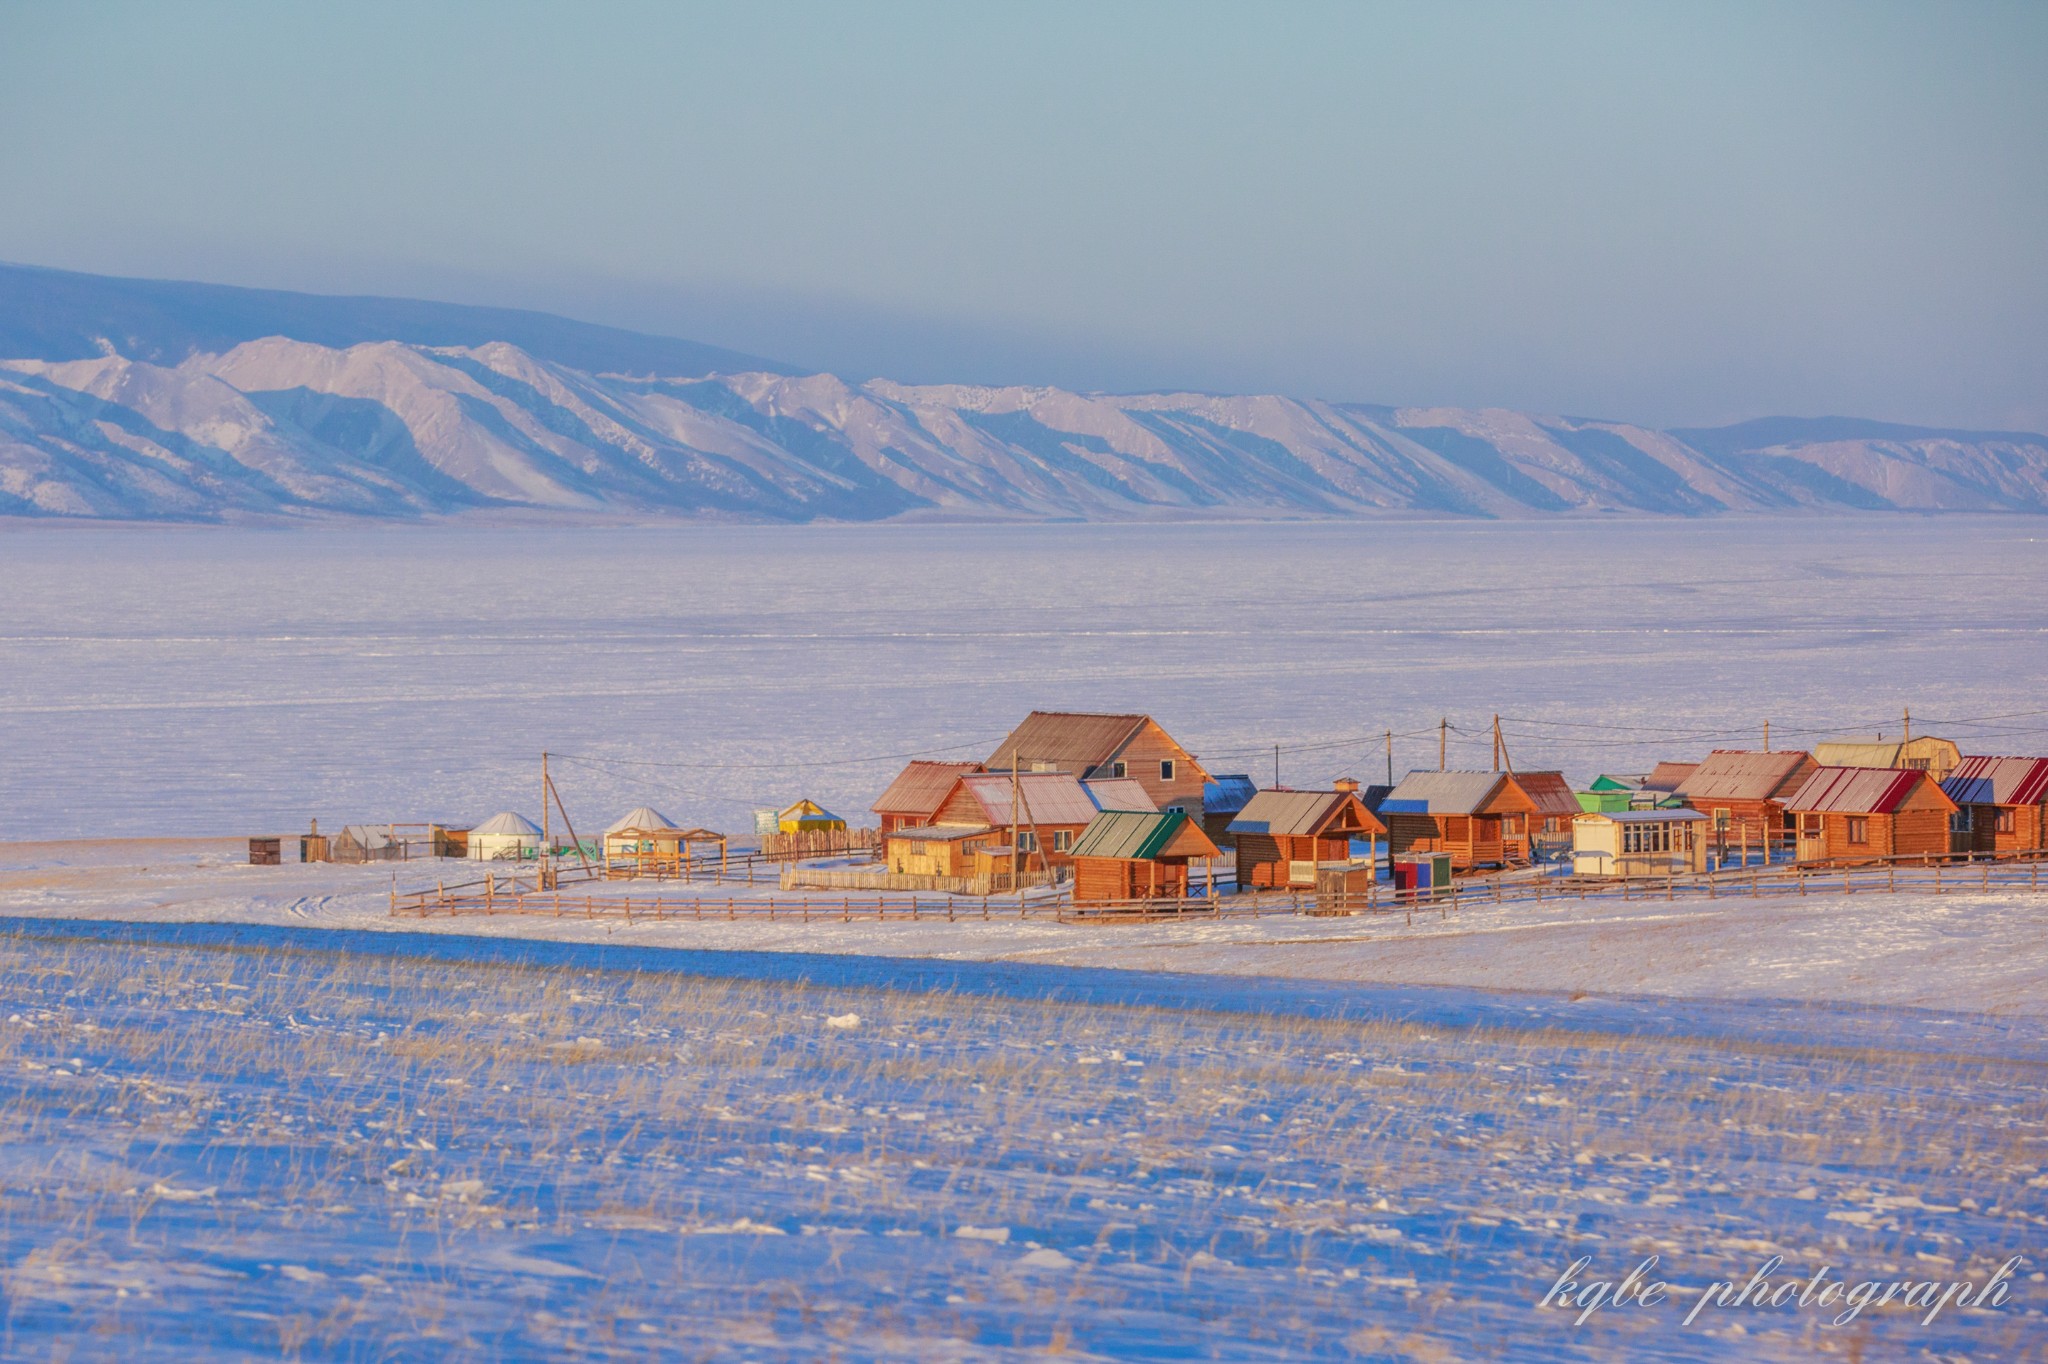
[[127, 399]]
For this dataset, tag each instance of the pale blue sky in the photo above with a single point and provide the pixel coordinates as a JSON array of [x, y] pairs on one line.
[[1643, 211]]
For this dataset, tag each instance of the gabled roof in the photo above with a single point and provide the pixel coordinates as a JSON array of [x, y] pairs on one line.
[[1549, 791], [1739, 774], [370, 836], [1998, 781], [1131, 835], [1607, 781], [1226, 795], [508, 824], [1076, 740], [643, 820], [920, 787], [1302, 814], [1042, 797], [1857, 753], [1119, 793], [1667, 776], [808, 809], [941, 833], [1442, 793], [1858, 790]]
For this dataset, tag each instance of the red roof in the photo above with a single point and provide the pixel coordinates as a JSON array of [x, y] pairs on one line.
[[1739, 774], [920, 787], [1550, 791], [1856, 790], [1667, 776], [1998, 781]]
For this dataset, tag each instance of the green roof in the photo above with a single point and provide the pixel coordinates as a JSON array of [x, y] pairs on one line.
[[1129, 835]]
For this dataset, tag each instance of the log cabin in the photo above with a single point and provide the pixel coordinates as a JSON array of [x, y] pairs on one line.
[[1133, 855], [1051, 810], [1742, 793], [1088, 745], [2002, 804], [1546, 830], [1284, 838], [1461, 813], [1850, 814], [914, 797]]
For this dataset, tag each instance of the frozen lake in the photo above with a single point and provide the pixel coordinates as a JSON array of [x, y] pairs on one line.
[[201, 681]]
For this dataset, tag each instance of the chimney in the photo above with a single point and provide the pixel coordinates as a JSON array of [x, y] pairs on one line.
[[1348, 785]]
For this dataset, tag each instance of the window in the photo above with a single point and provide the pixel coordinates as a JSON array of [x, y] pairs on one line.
[[1722, 819], [1511, 826], [1919, 764], [1553, 825], [1859, 829], [1062, 840], [1176, 809], [1959, 822], [2003, 824], [1166, 769], [917, 849], [1027, 840], [1118, 770]]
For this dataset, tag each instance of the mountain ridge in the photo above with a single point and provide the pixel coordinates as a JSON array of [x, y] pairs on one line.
[[281, 427]]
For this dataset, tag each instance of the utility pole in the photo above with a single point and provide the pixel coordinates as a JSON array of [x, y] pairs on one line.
[[1443, 742], [1909, 724], [1767, 736], [1276, 765], [547, 856], [1016, 880], [1496, 743], [1390, 757]]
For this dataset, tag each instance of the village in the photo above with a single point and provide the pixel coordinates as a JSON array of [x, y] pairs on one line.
[[1090, 816]]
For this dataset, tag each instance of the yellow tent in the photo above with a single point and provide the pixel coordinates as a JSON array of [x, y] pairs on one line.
[[806, 815]]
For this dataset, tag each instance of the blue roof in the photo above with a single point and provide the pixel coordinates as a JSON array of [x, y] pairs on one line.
[[1226, 795]]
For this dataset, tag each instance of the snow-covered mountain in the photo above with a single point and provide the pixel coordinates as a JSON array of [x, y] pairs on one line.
[[189, 422]]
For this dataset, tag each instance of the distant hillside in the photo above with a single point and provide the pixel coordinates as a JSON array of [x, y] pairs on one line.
[[140, 400]]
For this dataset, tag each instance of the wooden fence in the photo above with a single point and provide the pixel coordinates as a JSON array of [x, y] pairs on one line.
[[819, 843]]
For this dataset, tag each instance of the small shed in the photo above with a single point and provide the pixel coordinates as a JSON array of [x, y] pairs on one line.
[[504, 837], [1222, 797], [1639, 843], [266, 852], [938, 850], [1286, 838], [365, 843], [1135, 855], [1461, 813], [1865, 813], [914, 797], [2002, 804], [807, 816]]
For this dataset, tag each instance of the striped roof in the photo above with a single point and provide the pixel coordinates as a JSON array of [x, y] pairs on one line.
[[1042, 797], [1998, 781], [1299, 814], [920, 787], [1667, 776], [1550, 792], [1133, 835], [1741, 774], [1443, 793], [1856, 790], [1119, 793], [1074, 740]]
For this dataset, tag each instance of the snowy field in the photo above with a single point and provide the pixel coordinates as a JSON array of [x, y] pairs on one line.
[[206, 681], [246, 1145]]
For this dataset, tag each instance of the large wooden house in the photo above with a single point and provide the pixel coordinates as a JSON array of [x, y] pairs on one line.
[[2002, 804], [1285, 838], [1460, 813], [1134, 855], [1088, 745], [1857, 813], [1743, 793], [914, 797]]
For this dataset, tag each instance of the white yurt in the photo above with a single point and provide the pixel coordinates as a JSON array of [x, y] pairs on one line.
[[637, 834], [505, 837]]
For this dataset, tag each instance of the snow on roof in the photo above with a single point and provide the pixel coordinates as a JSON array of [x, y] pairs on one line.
[[1226, 795], [1043, 797], [507, 824], [1550, 792], [1442, 793], [1739, 774], [1998, 781], [921, 787], [1129, 835], [1855, 790], [1119, 793], [368, 835], [1291, 814], [642, 819]]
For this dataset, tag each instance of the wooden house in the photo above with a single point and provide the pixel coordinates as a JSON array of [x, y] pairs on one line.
[[1639, 843], [505, 837], [1285, 838], [1088, 745], [1461, 813], [1546, 830], [1049, 813], [1936, 757], [1743, 793], [2002, 804], [1222, 798], [807, 816], [939, 851], [1133, 855], [913, 798], [1856, 813]]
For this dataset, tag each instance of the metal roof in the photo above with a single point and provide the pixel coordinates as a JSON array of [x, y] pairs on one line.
[[1998, 781], [1292, 814], [645, 820], [1857, 753], [1133, 835], [942, 833], [1118, 793], [920, 787], [1667, 776], [1226, 795], [1043, 797], [1443, 793], [1855, 790], [1072, 739], [1550, 792], [1739, 774], [1643, 816]]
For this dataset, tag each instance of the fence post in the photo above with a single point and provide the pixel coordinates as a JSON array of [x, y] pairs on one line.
[[1937, 878], [1891, 877]]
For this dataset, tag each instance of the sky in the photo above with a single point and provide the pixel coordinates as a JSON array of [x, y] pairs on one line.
[[1679, 215]]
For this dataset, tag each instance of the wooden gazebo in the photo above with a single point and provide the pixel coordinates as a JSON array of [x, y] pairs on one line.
[[643, 843]]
